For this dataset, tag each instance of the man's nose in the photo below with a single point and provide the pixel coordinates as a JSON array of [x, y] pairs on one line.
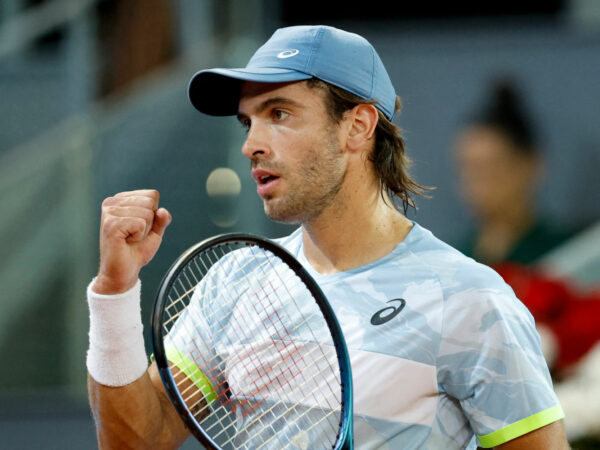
[[256, 142]]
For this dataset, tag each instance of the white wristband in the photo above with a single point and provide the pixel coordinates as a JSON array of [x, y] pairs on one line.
[[117, 355]]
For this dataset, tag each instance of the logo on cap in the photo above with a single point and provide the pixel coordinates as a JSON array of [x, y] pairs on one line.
[[288, 53]]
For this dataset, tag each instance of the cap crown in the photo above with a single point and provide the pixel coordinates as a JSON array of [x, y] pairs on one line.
[[343, 59]]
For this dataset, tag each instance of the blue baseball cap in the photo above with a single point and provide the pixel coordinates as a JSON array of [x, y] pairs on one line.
[[338, 57]]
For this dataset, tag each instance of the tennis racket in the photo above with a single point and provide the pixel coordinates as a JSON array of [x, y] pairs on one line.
[[250, 351]]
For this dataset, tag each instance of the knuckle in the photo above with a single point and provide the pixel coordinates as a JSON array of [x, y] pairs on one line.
[[113, 211], [155, 200], [151, 203], [148, 218], [109, 223], [140, 223], [107, 202]]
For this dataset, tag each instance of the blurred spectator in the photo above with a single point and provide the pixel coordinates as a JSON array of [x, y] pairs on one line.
[[500, 169]]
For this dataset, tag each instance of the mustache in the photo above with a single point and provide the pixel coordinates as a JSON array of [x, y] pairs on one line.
[[267, 166]]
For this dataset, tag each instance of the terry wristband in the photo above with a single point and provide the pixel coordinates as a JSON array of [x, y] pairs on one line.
[[116, 355]]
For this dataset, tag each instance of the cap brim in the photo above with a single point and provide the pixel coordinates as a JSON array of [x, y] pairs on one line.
[[217, 91]]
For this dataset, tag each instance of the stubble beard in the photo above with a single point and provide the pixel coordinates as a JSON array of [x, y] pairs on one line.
[[313, 187]]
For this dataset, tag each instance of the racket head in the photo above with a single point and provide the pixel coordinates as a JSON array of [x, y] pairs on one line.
[[174, 297]]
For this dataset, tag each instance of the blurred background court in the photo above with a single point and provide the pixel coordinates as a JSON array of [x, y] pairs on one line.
[[93, 101]]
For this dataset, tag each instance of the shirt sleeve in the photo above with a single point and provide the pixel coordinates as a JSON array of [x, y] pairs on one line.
[[490, 360]]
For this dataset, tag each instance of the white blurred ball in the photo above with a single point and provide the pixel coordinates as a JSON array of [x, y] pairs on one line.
[[223, 181]]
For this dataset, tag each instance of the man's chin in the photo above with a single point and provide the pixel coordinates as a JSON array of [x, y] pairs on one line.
[[280, 215], [281, 218]]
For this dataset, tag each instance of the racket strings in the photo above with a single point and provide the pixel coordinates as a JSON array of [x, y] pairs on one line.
[[285, 412], [275, 333], [179, 303], [192, 406], [305, 412], [276, 362], [291, 298], [179, 299], [305, 397]]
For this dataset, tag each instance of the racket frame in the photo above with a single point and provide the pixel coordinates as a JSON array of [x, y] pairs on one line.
[[345, 436]]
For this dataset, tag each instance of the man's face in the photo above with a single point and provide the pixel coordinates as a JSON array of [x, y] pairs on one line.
[[294, 149]]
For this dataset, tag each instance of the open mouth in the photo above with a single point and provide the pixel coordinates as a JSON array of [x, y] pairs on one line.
[[266, 178], [263, 177]]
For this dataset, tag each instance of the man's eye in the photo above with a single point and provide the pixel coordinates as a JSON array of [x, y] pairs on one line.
[[245, 124], [278, 114]]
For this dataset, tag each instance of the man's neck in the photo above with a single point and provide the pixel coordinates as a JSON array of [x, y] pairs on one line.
[[345, 238]]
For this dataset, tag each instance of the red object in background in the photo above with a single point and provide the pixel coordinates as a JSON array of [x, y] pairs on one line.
[[571, 314]]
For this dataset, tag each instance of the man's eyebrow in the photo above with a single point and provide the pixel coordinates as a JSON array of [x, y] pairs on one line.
[[283, 101]]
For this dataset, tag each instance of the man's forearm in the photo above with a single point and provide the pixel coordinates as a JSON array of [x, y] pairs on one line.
[[137, 415]]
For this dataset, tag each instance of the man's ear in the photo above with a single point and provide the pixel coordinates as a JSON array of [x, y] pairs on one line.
[[362, 120]]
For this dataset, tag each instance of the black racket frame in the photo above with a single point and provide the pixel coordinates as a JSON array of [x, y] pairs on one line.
[[345, 436]]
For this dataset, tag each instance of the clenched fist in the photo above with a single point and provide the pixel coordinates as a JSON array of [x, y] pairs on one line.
[[131, 230]]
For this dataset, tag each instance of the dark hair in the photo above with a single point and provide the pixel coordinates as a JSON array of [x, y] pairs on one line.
[[505, 113], [389, 154]]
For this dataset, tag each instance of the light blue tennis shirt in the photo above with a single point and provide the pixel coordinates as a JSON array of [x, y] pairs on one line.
[[444, 356], [441, 349]]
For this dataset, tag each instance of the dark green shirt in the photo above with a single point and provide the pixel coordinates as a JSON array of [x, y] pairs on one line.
[[538, 241]]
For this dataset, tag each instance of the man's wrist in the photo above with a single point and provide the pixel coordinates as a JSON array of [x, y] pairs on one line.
[[104, 285], [116, 355]]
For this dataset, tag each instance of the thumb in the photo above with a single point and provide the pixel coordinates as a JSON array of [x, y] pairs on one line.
[[162, 219]]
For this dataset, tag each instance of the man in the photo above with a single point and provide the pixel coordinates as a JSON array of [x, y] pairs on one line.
[[459, 358]]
